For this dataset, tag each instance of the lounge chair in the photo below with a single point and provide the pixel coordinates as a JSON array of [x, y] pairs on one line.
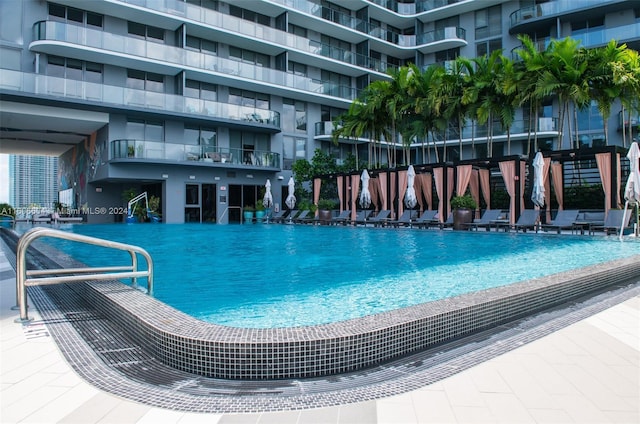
[[278, 216], [380, 219], [528, 221], [343, 218], [442, 225], [427, 218], [488, 218], [303, 217], [362, 216], [405, 220], [613, 222], [564, 220]]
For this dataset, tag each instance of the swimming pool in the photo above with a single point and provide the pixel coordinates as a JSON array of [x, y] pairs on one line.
[[268, 276], [189, 344]]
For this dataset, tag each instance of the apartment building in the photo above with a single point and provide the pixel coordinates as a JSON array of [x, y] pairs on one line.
[[33, 182], [199, 102]]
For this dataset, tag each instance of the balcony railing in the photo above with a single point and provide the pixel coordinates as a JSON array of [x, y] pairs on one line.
[[549, 9], [325, 128], [109, 95], [189, 153], [440, 35], [178, 58]]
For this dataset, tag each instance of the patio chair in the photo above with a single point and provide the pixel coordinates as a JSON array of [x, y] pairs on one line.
[[381, 218], [488, 218], [528, 220], [442, 225], [613, 222], [362, 216], [303, 217], [343, 218], [427, 218], [405, 220], [278, 216], [564, 220]]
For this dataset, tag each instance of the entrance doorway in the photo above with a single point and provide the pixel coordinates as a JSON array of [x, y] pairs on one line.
[[200, 203], [239, 197]]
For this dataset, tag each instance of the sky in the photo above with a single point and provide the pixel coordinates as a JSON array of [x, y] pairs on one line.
[[4, 178]]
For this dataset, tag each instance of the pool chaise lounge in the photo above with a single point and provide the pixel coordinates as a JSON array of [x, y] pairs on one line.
[[185, 343], [486, 221], [564, 220]]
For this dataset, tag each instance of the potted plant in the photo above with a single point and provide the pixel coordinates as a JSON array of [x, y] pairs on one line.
[[248, 213], [131, 150], [463, 208], [260, 211], [325, 206]]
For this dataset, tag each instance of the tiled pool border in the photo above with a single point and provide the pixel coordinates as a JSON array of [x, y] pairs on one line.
[[210, 350]]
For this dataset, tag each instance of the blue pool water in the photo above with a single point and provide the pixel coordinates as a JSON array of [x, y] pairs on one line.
[[267, 276]]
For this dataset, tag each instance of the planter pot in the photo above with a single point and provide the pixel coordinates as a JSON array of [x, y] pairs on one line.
[[324, 216], [248, 216], [461, 217], [260, 216]]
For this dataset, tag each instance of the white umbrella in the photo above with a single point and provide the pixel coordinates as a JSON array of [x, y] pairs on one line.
[[537, 195], [410, 198], [291, 199], [632, 189], [268, 198], [365, 195]]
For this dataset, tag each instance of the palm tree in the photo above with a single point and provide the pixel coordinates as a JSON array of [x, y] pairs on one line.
[[483, 92], [450, 98], [507, 79], [530, 67], [627, 75], [422, 91], [604, 86], [564, 76]]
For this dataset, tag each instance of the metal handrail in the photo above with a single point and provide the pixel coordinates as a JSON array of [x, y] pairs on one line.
[[62, 275]]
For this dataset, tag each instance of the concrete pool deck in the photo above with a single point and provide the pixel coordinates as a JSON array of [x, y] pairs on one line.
[[588, 371]]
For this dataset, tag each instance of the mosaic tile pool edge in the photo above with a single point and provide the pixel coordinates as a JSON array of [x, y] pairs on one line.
[[185, 343]]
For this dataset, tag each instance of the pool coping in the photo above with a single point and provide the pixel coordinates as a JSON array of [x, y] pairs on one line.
[[188, 344]]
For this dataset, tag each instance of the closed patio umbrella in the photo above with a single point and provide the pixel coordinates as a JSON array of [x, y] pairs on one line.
[[365, 195], [537, 195], [291, 198], [267, 201], [410, 198], [632, 189]]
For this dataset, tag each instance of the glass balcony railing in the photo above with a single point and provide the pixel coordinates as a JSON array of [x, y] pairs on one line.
[[159, 151], [325, 128], [418, 6], [177, 57], [109, 95], [548, 9], [441, 35]]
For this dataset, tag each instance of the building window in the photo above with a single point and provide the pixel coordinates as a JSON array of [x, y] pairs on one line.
[[294, 116], [146, 32], [488, 47], [74, 69], [201, 136], [297, 30], [138, 129], [296, 68], [293, 148], [249, 98], [209, 4], [489, 22], [248, 56], [336, 84], [201, 90], [147, 81], [202, 45], [73, 15], [249, 15]]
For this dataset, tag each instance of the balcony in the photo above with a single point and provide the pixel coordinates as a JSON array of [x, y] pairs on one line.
[[78, 42], [43, 86], [547, 127], [189, 154], [441, 39], [527, 18]]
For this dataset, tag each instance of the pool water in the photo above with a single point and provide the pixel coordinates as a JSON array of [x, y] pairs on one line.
[[268, 276]]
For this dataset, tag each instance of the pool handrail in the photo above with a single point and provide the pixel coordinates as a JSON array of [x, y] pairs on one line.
[[99, 273]]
